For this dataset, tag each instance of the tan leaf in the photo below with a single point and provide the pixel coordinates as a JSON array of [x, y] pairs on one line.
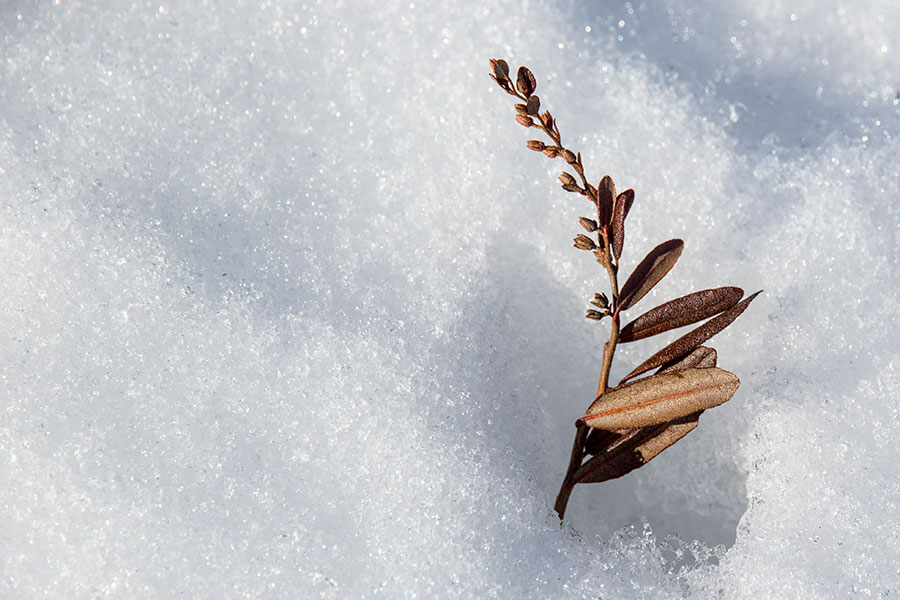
[[661, 398]]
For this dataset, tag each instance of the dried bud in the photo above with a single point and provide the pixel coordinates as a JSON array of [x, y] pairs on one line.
[[588, 224], [500, 67], [547, 119], [572, 187], [522, 109], [525, 81], [524, 121], [534, 106], [566, 179], [551, 151], [600, 300], [569, 156], [594, 315], [536, 145], [583, 242]]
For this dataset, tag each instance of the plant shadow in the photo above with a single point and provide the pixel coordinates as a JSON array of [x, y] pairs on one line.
[[542, 359]]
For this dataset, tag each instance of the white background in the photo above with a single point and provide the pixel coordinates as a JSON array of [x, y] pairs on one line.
[[288, 310]]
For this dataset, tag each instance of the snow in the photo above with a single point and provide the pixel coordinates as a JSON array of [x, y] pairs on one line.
[[290, 311]]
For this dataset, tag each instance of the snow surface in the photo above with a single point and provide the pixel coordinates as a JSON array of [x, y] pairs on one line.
[[289, 311]]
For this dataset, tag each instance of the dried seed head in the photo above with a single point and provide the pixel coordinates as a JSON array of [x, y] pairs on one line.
[[524, 121], [569, 156], [572, 187], [500, 67], [566, 179], [525, 81], [600, 300], [534, 106], [547, 120], [589, 224], [594, 315], [583, 242], [521, 109], [536, 145], [551, 151]]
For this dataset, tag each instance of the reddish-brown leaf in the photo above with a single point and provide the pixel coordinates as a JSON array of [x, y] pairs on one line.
[[635, 449], [700, 357], [606, 197], [661, 398], [680, 312], [648, 273], [620, 211], [692, 339]]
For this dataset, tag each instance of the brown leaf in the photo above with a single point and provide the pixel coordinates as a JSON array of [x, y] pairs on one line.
[[601, 440], [680, 312], [525, 81], [620, 211], [661, 398], [635, 449], [700, 357], [648, 273], [606, 196], [692, 339]]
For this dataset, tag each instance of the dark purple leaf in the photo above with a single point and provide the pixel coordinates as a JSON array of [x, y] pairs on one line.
[[700, 357], [606, 197], [692, 339], [680, 312], [635, 449], [620, 211], [648, 273]]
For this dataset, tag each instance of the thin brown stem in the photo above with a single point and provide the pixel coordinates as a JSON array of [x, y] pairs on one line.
[[609, 349]]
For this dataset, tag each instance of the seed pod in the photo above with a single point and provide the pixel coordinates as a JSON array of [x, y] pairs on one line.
[[525, 82], [536, 145], [500, 68], [534, 106], [566, 179], [588, 224], [583, 242], [547, 120], [524, 121]]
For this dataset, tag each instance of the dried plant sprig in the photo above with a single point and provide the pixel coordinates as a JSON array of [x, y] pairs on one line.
[[627, 426]]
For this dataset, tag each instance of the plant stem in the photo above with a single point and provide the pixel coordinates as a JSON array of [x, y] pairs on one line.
[[609, 349]]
